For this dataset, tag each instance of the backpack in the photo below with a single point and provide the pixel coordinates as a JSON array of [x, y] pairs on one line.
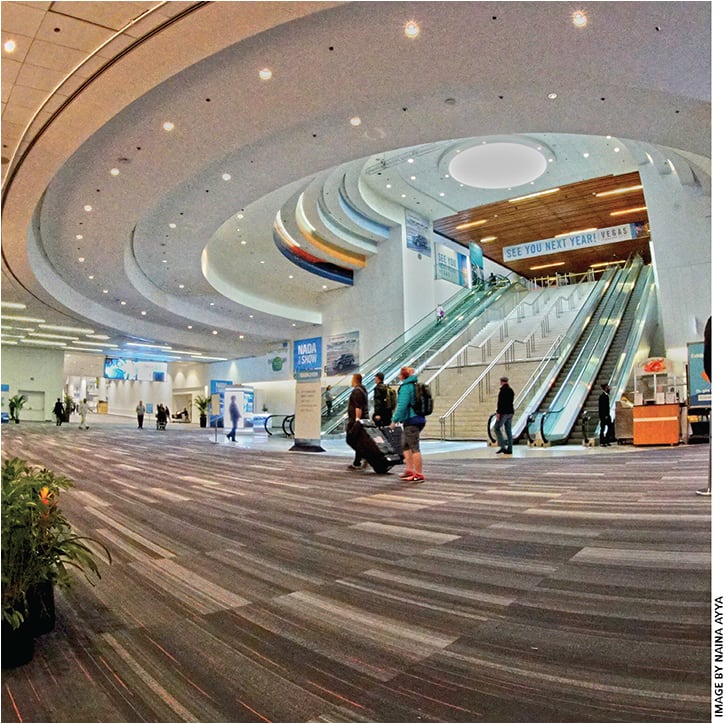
[[391, 397], [423, 403]]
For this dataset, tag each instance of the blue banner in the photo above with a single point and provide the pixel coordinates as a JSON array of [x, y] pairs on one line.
[[308, 355], [699, 388]]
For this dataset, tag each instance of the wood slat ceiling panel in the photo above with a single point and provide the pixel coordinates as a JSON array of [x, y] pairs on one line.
[[573, 208]]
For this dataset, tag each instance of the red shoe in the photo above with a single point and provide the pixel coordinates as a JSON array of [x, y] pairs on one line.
[[407, 474], [414, 478]]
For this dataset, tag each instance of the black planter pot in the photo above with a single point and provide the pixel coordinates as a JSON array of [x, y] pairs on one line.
[[202, 421], [17, 644], [41, 608]]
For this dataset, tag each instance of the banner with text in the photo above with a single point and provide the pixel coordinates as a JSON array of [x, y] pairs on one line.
[[308, 358], [573, 242], [451, 266]]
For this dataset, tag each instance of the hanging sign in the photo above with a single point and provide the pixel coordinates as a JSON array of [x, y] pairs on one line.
[[573, 242]]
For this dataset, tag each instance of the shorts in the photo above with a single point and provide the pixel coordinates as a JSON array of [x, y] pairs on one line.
[[411, 436]]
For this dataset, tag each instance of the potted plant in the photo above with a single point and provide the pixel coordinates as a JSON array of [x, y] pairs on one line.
[[15, 404], [39, 551], [202, 402], [68, 406]]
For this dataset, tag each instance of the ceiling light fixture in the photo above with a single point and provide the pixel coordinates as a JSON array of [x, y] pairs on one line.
[[13, 305], [572, 233], [123, 304], [96, 344], [265, 74], [149, 346], [547, 266], [71, 330], [9, 46], [88, 207], [533, 196], [114, 172], [485, 239], [628, 211], [355, 121], [552, 96], [226, 177], [97, 336], [17, 318], [411, 29], [607, 263], [44, 342], [81, 259], [497, 165], [471, 224], [172, 225], [79, 236], [622, 190], [168, 126], [48, 335], [579, 19]]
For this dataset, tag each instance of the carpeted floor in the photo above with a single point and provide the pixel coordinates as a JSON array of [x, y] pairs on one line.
[[264, 585]]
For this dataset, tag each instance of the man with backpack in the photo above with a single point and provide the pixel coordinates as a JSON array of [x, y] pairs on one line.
[[505, 413], [384, 402], [413, 422]]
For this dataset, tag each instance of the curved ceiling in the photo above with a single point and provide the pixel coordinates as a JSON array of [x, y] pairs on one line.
[[177, 244]]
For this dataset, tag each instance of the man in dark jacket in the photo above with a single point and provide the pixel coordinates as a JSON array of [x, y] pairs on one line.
[[606, 422], [382, 411], [357, 410], [505, 412], [58, 411]]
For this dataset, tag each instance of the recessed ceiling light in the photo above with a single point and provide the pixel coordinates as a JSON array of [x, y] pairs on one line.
[[214, 331], [189, 326], [413, 178], [355, 121], [262, 261], [90, 276], [240, 216], [114, 172], [164, 261], [411, 29], [579, 19], [81, 259], [243, 242], [181, 286], [241, 336], [79, 236], [552, 96], [105, 291], [252, 316], [211, 304], [172, 225], [168, 126], [13, 305], [123, 304], [143, 313], [410, 160], [617, 149], [290, 276], [586, 155], [265, 74], [403, 196], [88, 207], [226, 176], [388, 186], [325, 286], [441, 193], [9, 46]]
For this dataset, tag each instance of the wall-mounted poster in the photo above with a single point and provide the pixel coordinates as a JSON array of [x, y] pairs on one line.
[[476, 259], [699, 386], [417, 234], [342, 353], [308, 358], [278, 360], [451, 266]]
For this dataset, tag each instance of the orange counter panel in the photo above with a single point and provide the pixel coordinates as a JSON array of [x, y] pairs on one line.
[[656, 425]]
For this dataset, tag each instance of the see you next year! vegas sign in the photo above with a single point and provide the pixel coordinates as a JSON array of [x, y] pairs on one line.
[[573, 242]]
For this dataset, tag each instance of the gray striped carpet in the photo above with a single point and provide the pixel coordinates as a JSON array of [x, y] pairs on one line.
[[253, 585]]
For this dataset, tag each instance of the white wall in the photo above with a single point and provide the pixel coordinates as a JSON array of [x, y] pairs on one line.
[[680, 228], [33, 370]]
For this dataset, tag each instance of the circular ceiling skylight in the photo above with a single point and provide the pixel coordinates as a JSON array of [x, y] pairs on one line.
[[497, 165]]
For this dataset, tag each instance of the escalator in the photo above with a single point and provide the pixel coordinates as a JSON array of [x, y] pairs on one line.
[[415, 347], [608, 372], [589, 360]]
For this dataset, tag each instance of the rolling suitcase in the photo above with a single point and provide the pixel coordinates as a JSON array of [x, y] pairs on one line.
[[375, 447]]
